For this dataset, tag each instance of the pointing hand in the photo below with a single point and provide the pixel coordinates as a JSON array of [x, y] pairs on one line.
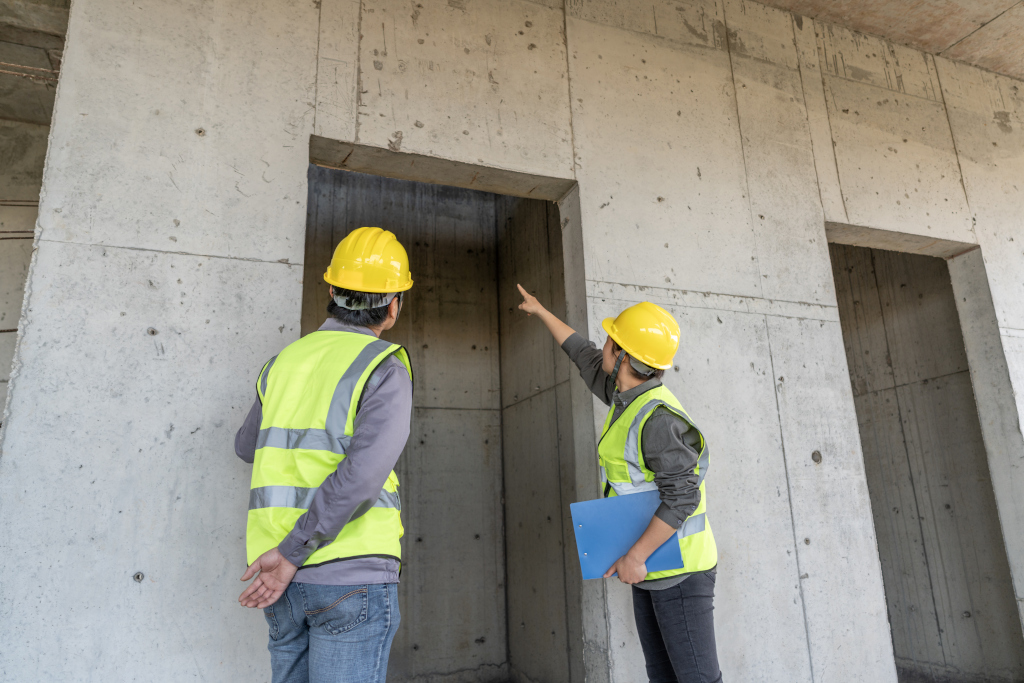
[[530, 304]]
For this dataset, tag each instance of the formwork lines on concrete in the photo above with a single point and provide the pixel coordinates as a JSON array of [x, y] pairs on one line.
[[956, 153], [980, 26], [910, 465], [283, 262], [568, 87], [743, 151], [715, 301], [807, 117], [789, 499], [359, 71], [316, 69]]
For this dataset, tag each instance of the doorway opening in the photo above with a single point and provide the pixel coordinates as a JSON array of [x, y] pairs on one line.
[[948, 590], [483, 593]]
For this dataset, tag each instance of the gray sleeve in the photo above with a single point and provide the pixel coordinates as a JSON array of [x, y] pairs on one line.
[[669, 454], [382, 427], [588, 358], [245, 439]]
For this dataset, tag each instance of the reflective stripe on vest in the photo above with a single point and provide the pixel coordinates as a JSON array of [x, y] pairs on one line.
[[632, 451], [302, 498]]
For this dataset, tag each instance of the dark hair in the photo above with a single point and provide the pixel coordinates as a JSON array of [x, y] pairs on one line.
[[367, 317], [629, 361]]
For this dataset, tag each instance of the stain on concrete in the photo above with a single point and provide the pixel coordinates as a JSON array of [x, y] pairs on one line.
[[378, 65], [458, 4], [1002, 119], [395, 145], [856, 73], [700, 34], [736, 45]]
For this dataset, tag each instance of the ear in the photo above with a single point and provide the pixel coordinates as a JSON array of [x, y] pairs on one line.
[[393, 308]]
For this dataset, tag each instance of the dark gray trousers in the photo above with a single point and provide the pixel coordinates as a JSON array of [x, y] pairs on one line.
[[677, 631]]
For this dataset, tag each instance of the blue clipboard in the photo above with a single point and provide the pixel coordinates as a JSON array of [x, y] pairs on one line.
[[607, 528]]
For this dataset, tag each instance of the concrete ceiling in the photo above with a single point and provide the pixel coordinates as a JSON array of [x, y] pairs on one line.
[[986, 33]]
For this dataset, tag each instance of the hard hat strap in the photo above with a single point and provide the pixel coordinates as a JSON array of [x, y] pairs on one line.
[[618, 362]]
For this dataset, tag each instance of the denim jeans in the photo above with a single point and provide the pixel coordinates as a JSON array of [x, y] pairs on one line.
[[332, 634], [677, 631]]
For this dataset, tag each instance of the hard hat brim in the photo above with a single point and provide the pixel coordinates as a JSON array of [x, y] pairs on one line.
[[360, 286]]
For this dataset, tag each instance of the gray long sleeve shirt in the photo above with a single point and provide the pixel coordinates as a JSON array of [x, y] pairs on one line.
[[667, 442], [382, 424]]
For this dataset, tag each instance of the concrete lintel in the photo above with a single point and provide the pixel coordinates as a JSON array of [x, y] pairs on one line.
[[348, 156], [874, 238]]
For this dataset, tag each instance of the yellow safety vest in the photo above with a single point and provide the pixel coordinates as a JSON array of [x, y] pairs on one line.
[[624, 471], [310, 394]]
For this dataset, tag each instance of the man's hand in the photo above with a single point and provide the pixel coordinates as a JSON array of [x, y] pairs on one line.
[[629, 569], [530, 304], [275, 575]]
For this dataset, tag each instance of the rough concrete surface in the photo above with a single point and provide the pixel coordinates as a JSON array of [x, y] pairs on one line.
[[180, 147], [947, 581], [985, 33], [487, 54]]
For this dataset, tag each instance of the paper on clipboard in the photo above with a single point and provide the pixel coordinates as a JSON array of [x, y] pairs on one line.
[[607, 528]]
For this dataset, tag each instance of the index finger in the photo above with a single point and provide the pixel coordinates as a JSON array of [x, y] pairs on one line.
[[522, 291]]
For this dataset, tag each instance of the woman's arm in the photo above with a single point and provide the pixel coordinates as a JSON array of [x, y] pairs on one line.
[[559, 330], [584, 355]]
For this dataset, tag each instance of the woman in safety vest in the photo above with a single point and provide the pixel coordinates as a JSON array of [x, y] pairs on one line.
[[650, 443]]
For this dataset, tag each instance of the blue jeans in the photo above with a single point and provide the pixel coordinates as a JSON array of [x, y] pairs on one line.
[[677, 631], [332, 634]]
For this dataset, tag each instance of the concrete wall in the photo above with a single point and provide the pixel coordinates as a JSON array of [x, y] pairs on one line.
[[947, 581], [711, 141]]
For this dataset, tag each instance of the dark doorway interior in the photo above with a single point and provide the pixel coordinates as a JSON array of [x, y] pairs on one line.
[[947, 582], [483, 594]]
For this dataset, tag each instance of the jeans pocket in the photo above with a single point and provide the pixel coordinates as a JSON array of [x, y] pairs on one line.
[[335, 609], [275, 629]]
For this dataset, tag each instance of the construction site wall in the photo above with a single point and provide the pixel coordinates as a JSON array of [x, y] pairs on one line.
[[712, 148]]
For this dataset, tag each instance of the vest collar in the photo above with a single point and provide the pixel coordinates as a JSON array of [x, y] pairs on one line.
[[623, 399], [335, 325]]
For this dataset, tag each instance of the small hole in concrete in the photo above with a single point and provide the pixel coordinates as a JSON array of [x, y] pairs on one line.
[[138, 576], [151, 331], [200, 132], [816, 457]]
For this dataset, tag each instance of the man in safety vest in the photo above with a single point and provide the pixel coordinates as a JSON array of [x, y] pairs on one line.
[[650, 443], [332, 414]]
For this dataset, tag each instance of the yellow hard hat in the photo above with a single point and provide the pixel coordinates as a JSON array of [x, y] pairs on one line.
[[370, 260], [647, 332]]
